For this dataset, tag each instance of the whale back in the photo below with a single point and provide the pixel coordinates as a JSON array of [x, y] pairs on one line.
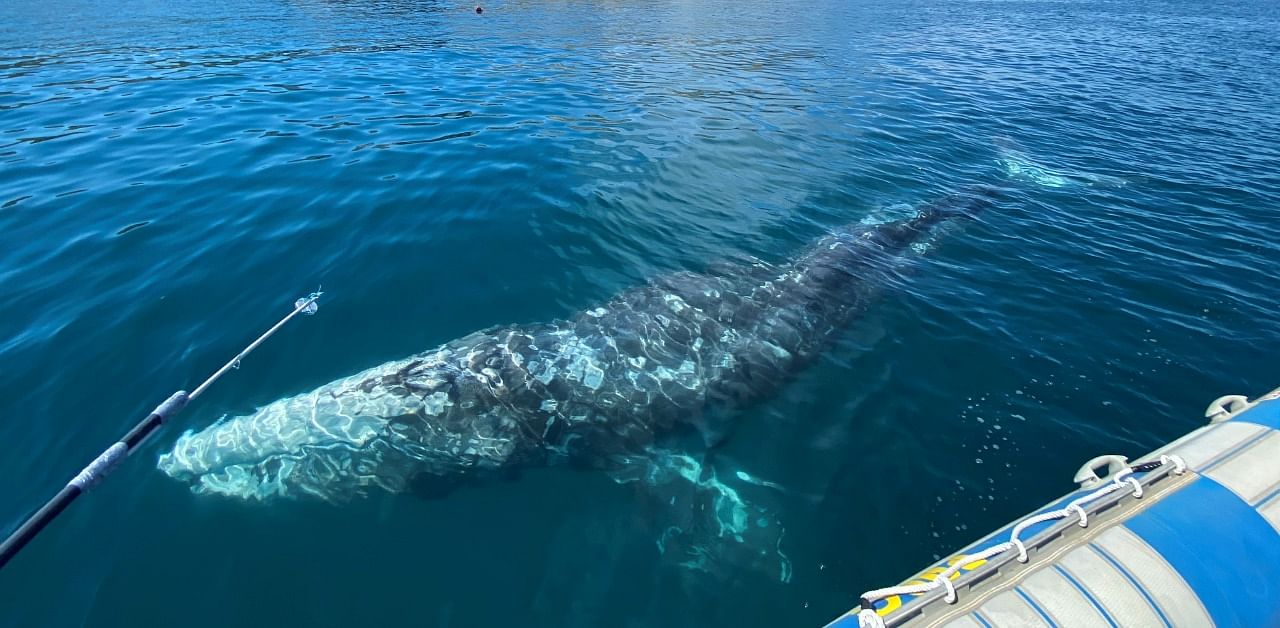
[[683, 348]]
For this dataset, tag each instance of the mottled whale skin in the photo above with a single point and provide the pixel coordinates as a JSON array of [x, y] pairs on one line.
[[599, 389]]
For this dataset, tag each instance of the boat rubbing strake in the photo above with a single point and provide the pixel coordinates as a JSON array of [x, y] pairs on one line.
[[1189, 535]]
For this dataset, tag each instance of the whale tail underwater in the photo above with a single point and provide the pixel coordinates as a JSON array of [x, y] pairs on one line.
[[611, 388], [1017, 166]]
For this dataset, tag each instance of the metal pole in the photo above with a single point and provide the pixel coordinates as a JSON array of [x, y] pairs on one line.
[[108, 460], [302, 304]]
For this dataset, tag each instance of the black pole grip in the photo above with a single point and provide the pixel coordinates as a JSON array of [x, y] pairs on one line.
[[37, 522], [90, 476], [171, 406]]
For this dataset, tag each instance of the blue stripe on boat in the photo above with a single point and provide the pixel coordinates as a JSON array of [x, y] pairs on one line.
[[1224, 550], [1266, 413], [1087, 595], [1035, 607], [1134, 581], [1228, 454], [1268, 497]]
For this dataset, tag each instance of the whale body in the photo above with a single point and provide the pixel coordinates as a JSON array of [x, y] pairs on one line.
[[601, 389]]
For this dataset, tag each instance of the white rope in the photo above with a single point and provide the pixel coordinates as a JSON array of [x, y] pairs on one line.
[[869, 618], [1084, 516]]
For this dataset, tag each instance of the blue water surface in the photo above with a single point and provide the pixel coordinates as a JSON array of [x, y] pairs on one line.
[[174, 174]]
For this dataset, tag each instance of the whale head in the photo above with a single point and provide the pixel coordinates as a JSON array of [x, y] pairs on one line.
[[420, 420]]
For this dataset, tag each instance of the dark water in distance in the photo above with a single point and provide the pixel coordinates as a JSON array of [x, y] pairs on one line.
[[440, 172]]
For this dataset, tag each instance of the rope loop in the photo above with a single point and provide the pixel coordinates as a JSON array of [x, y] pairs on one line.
[[1022, 550], [1125, 476], [869, 618], [1179, 465], [1079, 510], [951, 589], [1120, 480]]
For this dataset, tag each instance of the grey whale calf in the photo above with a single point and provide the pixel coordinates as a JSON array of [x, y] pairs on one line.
[[601, 389]]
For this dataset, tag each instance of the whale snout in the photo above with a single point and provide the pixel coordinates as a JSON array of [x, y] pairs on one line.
[[177, 463], [290, 448], [333, 443]]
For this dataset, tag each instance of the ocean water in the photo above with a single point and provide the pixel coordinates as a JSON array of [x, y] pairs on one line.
[[174, 174]]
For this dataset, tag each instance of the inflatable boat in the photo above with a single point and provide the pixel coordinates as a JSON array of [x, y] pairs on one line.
[[1188, 535]]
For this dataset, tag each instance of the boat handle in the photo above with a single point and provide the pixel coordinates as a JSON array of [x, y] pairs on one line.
[[1087, 476], [1224, 407]]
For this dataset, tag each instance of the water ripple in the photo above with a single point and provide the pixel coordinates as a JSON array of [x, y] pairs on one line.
[[172, 176]]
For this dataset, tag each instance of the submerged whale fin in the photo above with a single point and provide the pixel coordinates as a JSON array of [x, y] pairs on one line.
[[714, 426], [702, 523]]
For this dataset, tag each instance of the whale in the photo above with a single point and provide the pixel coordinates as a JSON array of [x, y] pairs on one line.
[[618, 387]]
